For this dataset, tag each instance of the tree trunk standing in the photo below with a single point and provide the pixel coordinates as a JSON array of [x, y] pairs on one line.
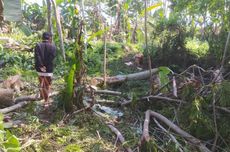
[[58, 24], [118, 18], [134, 33], [49, 19], [225, 52], [146, 47], [84, 25], [1, 11], [105, 56], [80, 69]]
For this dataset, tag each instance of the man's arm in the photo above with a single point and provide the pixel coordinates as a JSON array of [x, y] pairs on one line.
[[38, 58]]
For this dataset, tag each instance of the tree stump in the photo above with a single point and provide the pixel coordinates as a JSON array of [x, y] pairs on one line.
[[6, 97]]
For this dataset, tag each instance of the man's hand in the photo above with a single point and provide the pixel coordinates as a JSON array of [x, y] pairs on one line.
[[43, 69]]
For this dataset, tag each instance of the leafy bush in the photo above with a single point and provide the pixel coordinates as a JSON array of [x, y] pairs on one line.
[[197, 47], [8, 142]]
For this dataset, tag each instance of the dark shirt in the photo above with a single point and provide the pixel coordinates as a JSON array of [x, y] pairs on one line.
[[44, 53]]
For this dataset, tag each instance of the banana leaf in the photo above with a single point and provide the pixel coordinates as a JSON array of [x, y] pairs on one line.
[[12, 10]]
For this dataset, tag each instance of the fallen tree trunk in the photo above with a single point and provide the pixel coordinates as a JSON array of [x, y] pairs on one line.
[[119, 136], [6, 97], [22, 101], [14, 107], [27, 98], [135, 76], [145, 136], [32, 97]]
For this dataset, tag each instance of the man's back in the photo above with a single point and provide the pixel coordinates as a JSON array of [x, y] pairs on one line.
[[44, 56]]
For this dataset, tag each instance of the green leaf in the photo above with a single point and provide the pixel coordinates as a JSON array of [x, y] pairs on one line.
[[98, 33], [164, 70], [2, 135], [150, 8], [73, 148], [11, 144], [126, 6], [58, 2], [163, 75], [25, 29]]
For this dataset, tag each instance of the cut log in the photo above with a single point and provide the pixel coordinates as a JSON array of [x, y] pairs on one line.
[[13, 82], [6, 97], [135, 76], [145, 136]]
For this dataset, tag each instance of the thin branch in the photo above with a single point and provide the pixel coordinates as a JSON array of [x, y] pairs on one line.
[[108, 92], [215, 123], [171, 136], [119, 136], [163, 98]]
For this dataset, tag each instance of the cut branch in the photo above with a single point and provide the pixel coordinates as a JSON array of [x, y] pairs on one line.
[[119, 136], [170, 135], [108, 92], [145, 136], [163, 98], [223, 109]]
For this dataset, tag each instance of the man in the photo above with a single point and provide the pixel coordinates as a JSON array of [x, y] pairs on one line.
[[45, 53]]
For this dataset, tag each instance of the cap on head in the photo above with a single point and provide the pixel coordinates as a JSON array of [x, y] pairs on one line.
[[46, 35]]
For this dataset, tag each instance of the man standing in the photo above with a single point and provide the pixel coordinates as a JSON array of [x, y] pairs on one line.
[[45, 53]]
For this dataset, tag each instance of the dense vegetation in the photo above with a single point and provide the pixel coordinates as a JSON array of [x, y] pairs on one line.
[[186, 41]]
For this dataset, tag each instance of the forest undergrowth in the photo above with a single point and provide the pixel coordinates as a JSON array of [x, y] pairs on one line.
[[39, 130]]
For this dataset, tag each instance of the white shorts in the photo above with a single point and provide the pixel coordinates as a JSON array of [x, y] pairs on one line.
[[45, 74]]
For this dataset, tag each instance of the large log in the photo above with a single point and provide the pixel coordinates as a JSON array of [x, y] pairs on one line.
[[134, 76], [6, 97]]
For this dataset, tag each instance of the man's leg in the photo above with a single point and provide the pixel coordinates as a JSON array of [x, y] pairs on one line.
[[47, 83], [41, 87]]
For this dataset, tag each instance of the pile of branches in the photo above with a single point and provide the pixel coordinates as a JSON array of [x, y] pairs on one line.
[[203, 84]]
